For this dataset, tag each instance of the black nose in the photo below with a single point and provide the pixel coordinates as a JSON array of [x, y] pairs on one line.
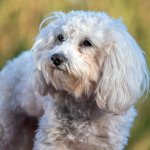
[[58, 59]]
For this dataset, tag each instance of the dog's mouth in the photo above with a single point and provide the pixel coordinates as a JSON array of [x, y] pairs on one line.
[[59, 69], [64, 68], [64, 77], [58, 72]]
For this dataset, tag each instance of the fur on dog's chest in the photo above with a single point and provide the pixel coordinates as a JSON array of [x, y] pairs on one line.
[[75, 128]]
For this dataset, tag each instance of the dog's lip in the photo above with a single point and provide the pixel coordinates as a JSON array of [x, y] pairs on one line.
[[54, 67], [58, 68]]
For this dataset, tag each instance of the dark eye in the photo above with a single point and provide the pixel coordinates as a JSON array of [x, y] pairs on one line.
[[86, 43], [60, 38]]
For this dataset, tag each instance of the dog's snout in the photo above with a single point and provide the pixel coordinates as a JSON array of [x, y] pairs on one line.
[[57, 59]]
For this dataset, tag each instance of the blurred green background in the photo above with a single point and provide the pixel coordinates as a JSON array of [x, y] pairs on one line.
[[19, 23]]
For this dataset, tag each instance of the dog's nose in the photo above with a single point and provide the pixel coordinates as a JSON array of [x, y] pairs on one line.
[[57, 59]]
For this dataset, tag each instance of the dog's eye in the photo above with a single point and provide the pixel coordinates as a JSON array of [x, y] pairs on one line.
[[60, 38], [86, 43]]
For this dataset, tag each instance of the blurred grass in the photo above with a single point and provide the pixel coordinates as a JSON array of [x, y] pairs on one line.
[[19, 22]]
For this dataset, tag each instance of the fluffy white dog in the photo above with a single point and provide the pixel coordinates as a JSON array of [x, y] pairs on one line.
[[88, 72]]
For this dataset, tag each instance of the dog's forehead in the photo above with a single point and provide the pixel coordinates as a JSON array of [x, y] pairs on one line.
[[86, 16], [83, 22]]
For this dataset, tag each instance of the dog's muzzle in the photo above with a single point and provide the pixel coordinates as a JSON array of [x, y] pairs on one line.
[[58, 59]]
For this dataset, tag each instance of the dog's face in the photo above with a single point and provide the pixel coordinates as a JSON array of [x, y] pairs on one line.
[[90, 53], [72, 58]]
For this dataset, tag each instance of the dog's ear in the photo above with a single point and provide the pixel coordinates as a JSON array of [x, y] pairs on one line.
[[125, 76], [39, 83]]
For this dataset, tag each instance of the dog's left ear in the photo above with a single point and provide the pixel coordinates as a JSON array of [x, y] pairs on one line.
[[125, 76], [38, 82]]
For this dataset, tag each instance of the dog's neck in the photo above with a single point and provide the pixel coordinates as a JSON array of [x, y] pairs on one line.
[[72, 108]]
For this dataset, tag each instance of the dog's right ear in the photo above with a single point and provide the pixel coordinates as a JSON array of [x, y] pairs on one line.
[[39, 83]]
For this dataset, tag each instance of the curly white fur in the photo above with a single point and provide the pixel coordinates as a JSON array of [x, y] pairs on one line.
[[88, 98]]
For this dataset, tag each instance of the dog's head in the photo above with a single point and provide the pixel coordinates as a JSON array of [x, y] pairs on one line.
[[90, 53]]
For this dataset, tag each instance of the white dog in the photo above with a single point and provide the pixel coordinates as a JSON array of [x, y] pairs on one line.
[[90, 72]]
